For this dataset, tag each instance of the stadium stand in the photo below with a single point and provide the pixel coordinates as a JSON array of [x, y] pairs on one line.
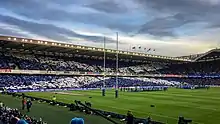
[[28, 57], [34, 62], [35, 65], [194, 68], [31, 62]]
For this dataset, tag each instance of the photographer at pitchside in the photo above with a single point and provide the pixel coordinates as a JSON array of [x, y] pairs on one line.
[[129, 118]]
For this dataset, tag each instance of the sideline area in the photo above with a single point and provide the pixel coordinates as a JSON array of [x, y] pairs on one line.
[[51, 114]]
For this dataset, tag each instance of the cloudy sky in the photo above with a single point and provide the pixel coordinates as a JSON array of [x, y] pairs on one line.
[[172, 27]]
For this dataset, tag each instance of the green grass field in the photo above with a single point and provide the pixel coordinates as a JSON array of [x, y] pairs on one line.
[[202, 106]]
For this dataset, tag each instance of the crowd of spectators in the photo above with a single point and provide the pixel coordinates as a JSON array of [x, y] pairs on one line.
[[51, 63], [27, 82], [43, 82], [40, 62], [197, 81], [133, 81], [14, 116], [193, 68], [19, 82], [35, 82], [79, 64]]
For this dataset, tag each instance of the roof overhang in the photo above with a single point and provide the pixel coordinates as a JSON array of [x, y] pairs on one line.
[[209, 56], [25, 44]]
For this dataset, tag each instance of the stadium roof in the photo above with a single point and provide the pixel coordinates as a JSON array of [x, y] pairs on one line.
[[209, 56], [25, 44]]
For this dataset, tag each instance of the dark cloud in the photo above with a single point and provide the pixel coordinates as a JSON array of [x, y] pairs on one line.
[[35, 10], [186, 6], [48, 30], [126, 28], [69, 2], [182, 12], [10, 32], [159, 33], [39, 10], [108, 6], [164, 26], [99, 5]]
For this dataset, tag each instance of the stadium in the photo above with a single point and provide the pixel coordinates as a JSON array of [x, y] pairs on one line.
[[156, 89]]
